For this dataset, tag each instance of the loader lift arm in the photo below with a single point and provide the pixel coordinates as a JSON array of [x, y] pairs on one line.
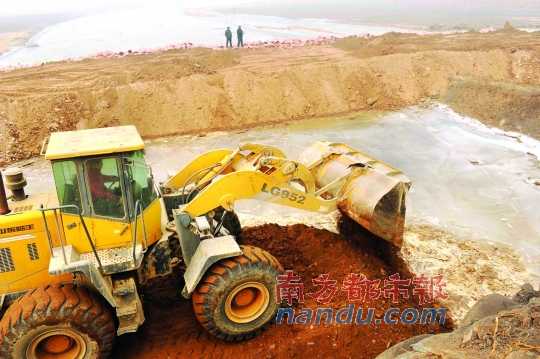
[[331, 176], [336, 176]]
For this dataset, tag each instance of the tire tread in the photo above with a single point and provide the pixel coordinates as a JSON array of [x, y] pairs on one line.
[[58, 303], [251, 257]]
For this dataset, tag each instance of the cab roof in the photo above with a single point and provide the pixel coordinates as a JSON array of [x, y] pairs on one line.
[[93, 142]]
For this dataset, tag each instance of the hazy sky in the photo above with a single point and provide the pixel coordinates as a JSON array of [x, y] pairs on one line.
[[31, 7], [475, 13], [41, 7], [387, 11]]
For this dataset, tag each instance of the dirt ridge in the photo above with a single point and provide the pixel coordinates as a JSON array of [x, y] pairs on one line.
[[201, 90]]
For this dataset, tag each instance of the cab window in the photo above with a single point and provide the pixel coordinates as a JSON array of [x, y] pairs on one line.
[[105, 187], [67, 185], [142, 183]]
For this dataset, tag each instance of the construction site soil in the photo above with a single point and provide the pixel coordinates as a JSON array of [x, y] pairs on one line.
[[201, 90], [494, 77], [171, 330]]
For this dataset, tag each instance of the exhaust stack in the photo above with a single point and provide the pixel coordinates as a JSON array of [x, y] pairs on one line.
[[4, 208], [16, 182]]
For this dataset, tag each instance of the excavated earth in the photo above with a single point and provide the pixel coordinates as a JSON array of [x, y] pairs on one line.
[[171, 330], [492, 76]]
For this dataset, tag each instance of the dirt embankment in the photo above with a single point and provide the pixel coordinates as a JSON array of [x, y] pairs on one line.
[[510, 106], [200, 90], [510, 101], [171, 330]]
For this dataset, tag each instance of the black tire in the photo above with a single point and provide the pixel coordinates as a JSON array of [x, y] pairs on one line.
[[38, 324], [254, 272]]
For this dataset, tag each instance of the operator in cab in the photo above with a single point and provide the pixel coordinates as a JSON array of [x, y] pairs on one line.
[[105, 190]]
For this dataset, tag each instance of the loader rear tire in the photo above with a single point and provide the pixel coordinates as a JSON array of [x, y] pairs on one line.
[[237, 297], [59, 321]]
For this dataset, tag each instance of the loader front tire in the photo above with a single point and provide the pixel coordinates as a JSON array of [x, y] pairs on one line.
[[237, 297], [59, 321]]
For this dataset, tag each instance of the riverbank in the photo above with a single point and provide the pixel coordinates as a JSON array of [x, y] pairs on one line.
[[201, 90]]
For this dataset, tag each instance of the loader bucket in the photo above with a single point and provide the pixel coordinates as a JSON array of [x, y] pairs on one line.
[[372, 193], [376, 202]]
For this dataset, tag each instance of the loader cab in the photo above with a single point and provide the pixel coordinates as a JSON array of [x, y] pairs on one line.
[[106, 186], [101, 177]]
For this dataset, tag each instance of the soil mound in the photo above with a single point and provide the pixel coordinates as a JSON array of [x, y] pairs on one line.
[[508, 106], [172, 332]]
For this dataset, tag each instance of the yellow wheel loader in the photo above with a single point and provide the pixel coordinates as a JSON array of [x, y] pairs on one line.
[[72, 264]]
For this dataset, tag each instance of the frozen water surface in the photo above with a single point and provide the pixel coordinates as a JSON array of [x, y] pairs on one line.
[[470, 179]]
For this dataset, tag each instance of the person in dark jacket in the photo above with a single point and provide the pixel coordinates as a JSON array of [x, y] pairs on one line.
[[228, 36], [240, 34]]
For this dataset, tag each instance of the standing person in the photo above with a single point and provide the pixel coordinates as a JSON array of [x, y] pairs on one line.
[[240, 34], [228, 36]]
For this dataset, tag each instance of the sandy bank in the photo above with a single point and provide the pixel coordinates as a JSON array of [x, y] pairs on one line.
[[510, 106], [199, 90]]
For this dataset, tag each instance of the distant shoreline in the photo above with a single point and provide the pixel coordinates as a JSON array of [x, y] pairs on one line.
[[16, 30], [261, 33], [8, 40]]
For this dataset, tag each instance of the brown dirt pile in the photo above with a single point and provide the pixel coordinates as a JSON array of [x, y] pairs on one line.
[[400, 43], [172, 332], [86, 94], [198, 90], [511, 102]]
